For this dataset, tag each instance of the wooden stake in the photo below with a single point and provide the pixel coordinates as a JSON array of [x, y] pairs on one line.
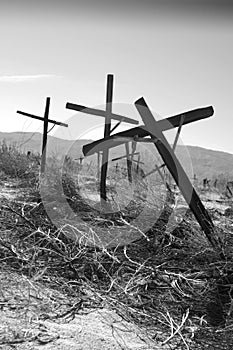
[[45, 135], [98, 166], [107, 130], [138, 162], [129, 162]]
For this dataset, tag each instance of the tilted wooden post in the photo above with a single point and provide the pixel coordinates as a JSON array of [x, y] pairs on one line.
[[179, 175]]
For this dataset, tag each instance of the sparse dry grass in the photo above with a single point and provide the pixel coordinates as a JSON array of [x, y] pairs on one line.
[[173, 288]]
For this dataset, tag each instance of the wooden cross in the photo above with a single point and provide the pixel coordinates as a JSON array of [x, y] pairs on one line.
[[45, 120], [139, 134], [129, 161], [108, 115], [122, 157], [80, 160], [175, 168], [116, 167]]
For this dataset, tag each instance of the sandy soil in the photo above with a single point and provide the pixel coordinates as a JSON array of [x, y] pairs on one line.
[[24, 303], [33, 317], [23, 325]]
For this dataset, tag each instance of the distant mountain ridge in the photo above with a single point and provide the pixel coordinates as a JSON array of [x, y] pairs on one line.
[[205, 162], [32, 141]]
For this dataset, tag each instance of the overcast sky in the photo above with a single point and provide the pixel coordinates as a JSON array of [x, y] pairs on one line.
[[177, 54]]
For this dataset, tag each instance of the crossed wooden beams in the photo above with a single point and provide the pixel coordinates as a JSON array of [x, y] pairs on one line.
[[140, 131], [46, 121], [154, 129], [108, 115]]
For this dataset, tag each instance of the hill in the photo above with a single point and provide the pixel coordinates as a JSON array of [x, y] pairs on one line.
[[210, 163], [29, 141], [205, 162]]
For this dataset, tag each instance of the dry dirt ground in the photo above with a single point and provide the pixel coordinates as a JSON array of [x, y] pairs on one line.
[[32, 316], [24, 304]]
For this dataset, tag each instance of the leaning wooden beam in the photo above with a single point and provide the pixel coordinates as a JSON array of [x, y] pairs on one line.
[[122, 157], [164, 124], [155, 170], [179, 175], [114, 128], [173, 147], [40, 118], [178, 134], [100, 113]]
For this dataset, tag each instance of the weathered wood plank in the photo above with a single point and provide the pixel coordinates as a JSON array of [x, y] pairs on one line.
[[42, 119], [100, 113], [164, 124]]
